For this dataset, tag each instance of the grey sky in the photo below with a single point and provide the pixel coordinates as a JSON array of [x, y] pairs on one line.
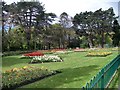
[[75, 6]]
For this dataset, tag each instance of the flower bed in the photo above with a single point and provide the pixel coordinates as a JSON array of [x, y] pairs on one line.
[[63, 52], [46, 58], [56, 50], [19, 76], [45, 51], [60, 52], [33, 54], [79, 50], [100, 54]]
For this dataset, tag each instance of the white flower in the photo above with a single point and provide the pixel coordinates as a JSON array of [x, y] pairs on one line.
[[53, 58]]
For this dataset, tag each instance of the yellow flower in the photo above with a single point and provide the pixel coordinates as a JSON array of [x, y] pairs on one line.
[[17, 76], [8, 71], [9, 79], [25, 67], [15, 69]]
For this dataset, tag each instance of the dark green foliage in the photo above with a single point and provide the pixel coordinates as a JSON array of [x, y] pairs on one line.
[[30, 20], [94, 25], [74, 43], [34, 29], [10, 53], [116, 35]]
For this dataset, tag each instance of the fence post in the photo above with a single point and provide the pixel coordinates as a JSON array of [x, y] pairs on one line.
[[83, 88], [119, 79], [102, 79], [87, 86]]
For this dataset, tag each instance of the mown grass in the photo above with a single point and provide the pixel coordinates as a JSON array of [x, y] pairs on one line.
[[77, 69]]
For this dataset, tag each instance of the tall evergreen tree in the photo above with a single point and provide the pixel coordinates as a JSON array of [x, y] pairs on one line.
[[116, 35]]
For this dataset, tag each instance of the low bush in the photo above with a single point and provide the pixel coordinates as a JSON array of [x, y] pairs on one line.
[[15, 53]]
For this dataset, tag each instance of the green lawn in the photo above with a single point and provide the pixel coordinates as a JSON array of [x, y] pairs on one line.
[[77, 69]]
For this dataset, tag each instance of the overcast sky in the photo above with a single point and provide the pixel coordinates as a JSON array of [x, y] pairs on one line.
[[75, 6]]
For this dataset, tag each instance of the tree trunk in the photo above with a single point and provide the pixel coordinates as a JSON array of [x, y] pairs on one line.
[[59, 42], [3, 32], [49, 46], [103, 39], [69, 40], [90, 41], [28, 45], [3, 19], [35, 45]]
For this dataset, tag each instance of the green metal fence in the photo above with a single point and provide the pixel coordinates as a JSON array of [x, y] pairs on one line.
[[102, 79]]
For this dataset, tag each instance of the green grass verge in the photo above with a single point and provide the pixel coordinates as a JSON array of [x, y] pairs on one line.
[[116, 80], [77, 69]]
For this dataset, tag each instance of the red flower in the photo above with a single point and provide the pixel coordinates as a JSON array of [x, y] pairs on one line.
[[34, 54]]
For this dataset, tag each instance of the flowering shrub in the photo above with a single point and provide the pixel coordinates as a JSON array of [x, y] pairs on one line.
[[46, 58], [20, 76], [98, 53]]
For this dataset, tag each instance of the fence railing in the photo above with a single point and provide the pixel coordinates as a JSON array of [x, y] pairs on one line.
[[102, 79]]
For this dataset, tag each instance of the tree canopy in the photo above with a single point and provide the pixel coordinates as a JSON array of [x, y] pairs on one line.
[[34, 28], [90, 24]]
